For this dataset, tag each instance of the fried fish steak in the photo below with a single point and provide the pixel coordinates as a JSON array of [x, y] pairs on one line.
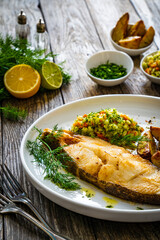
[[112, 168]]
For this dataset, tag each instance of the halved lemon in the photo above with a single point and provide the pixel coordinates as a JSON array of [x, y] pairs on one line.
[[22, 81], [51, 75]]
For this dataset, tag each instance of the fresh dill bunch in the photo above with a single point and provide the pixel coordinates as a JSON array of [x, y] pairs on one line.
[[66, 77], [4, 94], [13, 113], [18, 51], [51, 160], [15, 51]]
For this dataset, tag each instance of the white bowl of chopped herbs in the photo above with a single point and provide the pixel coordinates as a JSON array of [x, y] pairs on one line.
[[109, 68]]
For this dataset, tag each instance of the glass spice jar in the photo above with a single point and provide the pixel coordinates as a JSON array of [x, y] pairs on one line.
[[22, 28], [41, 38]]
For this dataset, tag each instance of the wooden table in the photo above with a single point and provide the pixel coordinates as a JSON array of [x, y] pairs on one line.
[[76, 29]]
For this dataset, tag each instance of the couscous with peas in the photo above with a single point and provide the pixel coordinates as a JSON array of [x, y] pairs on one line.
[[151, 65], [109, 125]]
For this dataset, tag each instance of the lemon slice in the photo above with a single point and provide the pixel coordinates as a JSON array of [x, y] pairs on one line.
[[22, 81], [51, 75]]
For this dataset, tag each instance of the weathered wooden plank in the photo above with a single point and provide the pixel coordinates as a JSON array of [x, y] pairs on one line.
[[74, 37], [12, 133], [125, 231], [105, 14], [74, 225], [149, 12]]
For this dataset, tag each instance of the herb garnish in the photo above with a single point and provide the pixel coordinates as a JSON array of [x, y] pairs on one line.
[[127, 141], [108, 71], [13, 113], [51, 160], [109, 206], [139, 208]]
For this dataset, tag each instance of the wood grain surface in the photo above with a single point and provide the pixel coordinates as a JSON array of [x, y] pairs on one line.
[[76, 29]]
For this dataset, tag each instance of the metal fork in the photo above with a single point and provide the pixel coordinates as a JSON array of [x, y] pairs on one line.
[[7, 206], [15, 193]]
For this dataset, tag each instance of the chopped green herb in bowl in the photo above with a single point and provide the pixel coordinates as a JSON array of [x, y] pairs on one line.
[[109, 68], [109, 71]]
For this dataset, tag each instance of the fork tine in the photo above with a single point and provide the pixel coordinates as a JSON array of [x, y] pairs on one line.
[[7, 186], [2, 202], [4, 198], [7, 190], [9, 180], [14, 183], [13, 178]]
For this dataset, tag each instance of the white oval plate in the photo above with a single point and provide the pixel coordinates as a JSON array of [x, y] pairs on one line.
[[142, 109]]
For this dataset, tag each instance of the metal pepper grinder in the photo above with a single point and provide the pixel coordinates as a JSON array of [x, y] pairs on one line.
[[22, 28]]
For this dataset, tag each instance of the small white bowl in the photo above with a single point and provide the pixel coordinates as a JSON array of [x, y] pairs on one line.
[[151, 78], [116, 57], [131, 52]]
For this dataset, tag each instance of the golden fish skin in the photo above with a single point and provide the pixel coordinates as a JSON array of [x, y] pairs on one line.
[[112, 168]]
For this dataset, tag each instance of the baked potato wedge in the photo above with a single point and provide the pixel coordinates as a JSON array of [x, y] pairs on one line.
[[123, 32], [138, 29], [147, 148], [130, 42], [147, 38], [119, 32], [155, 159], [155, 132]]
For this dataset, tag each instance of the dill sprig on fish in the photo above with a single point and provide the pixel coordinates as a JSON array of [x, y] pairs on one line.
[[51, 159], [127, 141]]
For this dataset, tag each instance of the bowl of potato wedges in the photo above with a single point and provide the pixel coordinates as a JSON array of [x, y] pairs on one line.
[[133, 39]]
